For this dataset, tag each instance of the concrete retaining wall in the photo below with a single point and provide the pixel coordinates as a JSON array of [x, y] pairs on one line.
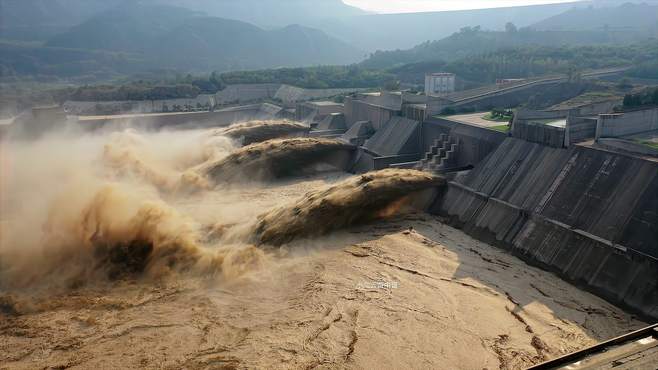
[[358, 133], [507, 98], [241, 93], [141, 106], [596, 108], [289, 95], [333, 121], [580, 129], [385, 162], [368, 161], [218, 118], [383, 99], [539, 133], [326, 133], [398, 136], [623, 124], [627, 146], [398, 141], [474, 143], [356, 110], [232, 94], [316, 111], [591, 216], [525, 115], [526, 127], [542, 93]]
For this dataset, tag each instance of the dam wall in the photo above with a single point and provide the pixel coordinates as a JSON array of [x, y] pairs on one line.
[[397, 142], [358, 110], [244, 93], [628, 146], [398, 136], [316, 111], [217, 118], [629, 123], [401, 140], [505, 98], [333, 121], [474, 142], [289, 95], [590, 216], [590, 109], [539, 133], [580, 129], [538, 94], [367, 161], [202, 101]]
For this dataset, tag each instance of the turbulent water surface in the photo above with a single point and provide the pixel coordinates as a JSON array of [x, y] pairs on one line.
[[124, 250]]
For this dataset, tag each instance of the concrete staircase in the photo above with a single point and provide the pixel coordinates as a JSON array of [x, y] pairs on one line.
[[442, 155]]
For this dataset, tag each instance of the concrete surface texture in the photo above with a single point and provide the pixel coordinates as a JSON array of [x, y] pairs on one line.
[[137, 106], [358, 133], [549, 133], [474, 143], [292, 94], [243, 93], [398, 136], [333, 121], [217, 118], [316, 111], [358, 110], [629, 123], [600, 106], [627, 146], [587, 214], [390, 100], [580, 129]]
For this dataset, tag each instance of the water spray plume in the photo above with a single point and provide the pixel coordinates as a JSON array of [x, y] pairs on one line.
[[360, 199], [259, 131], [278, 158]]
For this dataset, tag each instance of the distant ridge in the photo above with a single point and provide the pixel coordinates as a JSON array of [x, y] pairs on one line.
[[629, 16], [176, 37]]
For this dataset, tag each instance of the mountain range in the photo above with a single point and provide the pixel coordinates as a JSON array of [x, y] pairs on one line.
[[620, 24], [165, 36], [627, 16], [38, 20], [105, 38]]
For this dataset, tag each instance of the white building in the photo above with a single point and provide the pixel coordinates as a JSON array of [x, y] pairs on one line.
[[439, 83]]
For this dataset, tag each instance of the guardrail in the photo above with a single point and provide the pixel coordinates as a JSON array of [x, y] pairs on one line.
[[649, 331]]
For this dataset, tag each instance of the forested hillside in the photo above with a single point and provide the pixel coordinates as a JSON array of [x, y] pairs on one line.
[[131, 39], [475, 41]]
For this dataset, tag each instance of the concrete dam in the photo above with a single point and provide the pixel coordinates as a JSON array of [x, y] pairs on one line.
[[573, 206], [346, 239], [588, 215]]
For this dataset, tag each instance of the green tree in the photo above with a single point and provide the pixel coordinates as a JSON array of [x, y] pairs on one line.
[[510, 27]]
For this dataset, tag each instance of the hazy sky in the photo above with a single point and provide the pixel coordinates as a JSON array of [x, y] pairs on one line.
[[402, 6]]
